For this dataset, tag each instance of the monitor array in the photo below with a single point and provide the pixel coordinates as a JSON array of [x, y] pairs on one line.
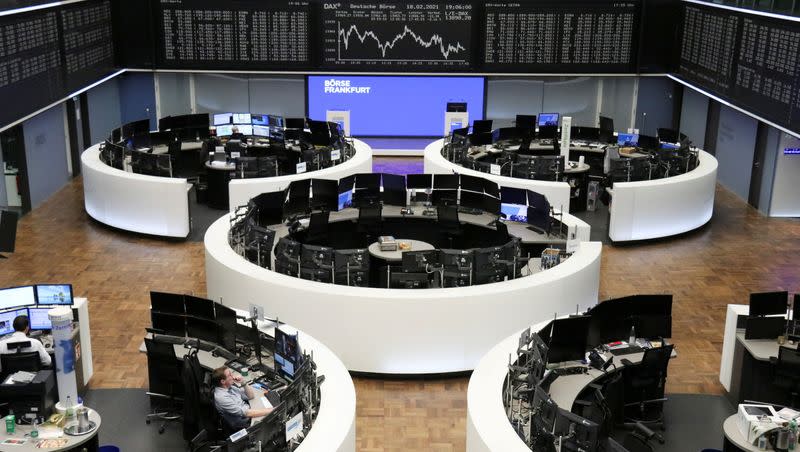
[[33, 302]]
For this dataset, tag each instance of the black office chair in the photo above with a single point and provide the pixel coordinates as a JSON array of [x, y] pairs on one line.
[[647, 379], [317, 232], [449, 223], [785, 373], [369, 220], [267, 166], [19, 360], [639, 439], [164, 373]]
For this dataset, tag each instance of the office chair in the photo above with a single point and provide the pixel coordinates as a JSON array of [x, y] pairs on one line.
[[785, 373], [317, 231], [448, 221], [369, 220], [647, 379], [267, 166], [164, 373], [19, 360], [639, 439]]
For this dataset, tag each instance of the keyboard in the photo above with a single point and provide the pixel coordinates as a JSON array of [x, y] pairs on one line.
[[467, 210], [631, 349], [576, 370]]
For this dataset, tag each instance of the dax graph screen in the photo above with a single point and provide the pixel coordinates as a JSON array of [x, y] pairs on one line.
[[396, 35]]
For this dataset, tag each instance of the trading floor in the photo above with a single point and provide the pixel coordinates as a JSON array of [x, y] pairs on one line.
[[738, 252]]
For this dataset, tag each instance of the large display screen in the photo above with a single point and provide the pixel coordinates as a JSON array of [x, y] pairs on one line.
[[565, 36], [397, 35], [394, 106], [15, 297]]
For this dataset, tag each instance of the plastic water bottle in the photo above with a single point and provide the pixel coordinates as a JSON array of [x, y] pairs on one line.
[[10, 421], [632, 338], [792, 435], [35, 431]]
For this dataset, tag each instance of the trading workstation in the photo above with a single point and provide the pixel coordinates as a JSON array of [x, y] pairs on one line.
[[240, 145], [567, 384], [191, 336], [468, 243], [35, 392]]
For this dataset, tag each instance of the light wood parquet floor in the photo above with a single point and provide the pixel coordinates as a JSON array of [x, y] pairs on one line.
[[738, 252]]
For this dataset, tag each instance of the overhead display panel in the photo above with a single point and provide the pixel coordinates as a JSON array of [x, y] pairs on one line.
[[565, 37], [88, 43], [708, 47], [208, 34], [397, 36]]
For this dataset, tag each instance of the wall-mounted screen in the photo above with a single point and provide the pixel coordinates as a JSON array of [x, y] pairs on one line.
[[397, 35], [394, 106]]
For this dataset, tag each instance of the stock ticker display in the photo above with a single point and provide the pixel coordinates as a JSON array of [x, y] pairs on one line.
[[560, 37], [397, 35], [233, 34], [749, 59]]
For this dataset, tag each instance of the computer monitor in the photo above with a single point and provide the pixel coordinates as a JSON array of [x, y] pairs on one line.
[[472, 200], [568, 339], [514, 212], [456, 258], [275, 120], [796, 307], [199, 307], [54, 294], [353, 259], [170, 303], [764, 327], [648, 142], [224, 130], [287, 353], [420, 261], [547, 132], [7, 320], [288, 249], [481, 126], [491, 205], [259, 119], [585, 133], [320, 133], [768, 303], [456, 107], [444, 197], [576, 432], [324, 194], [203, 329], [526, 122], [548, 119], [445, 181], [39, 320], [403, 280], [368, 180], [15, 297], [134, 128], [261, 131], [316, 257], [116, 135], [244, 129], [242, 118], [419, 181], [221, 119], [510, 195], [472, 183], [628, 139], [269, 206], [546, 409], [487, 257], [226, 319], [172, 324], [296, 123], [345, 200], [460, 133], [394, 190]]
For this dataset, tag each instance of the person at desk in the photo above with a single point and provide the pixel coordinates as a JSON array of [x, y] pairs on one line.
[[21, 330], [233, 402], [235, 134]]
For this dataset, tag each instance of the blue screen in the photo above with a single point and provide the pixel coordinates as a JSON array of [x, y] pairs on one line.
[[345, 199], [39, 320], [515, 212], [627, 139], [394, 106], [54, 293], [7, 320], [548, 119]]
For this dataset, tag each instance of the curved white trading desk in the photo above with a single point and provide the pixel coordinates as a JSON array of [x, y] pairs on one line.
[[134, 202], [403, 331], [488, 427], [663, 207], [242, 190], [335, 427], [557, 193]]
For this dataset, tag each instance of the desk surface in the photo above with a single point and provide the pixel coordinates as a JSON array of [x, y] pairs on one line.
[[732, 433], [761, 349], [397, 255], [23, 432]]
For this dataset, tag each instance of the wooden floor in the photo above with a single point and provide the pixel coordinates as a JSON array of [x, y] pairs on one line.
[[737, 252]]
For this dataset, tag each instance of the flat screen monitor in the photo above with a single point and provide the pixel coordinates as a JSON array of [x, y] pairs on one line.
[[226, 319], [510, 195], [116, 135], [461, 133], [296, 123], [445, 181], [403, 280], [548, 119], [244, 129], [324, 194], [345, 200], [224, 130], [14, 297], [134, 128], [576, 432], [221, 119], [488, 257], [39, 320], [514, 212], [547, 132], [54, 294], [419, 100], [546, 408], [648, 142], [242, 118], [270, 207], [259, 120], [456, 258], [287, 353], [353, 259], [172, 324], [491, 205], [199, 307], [472, 200], [764, 327], [288, 249], [491, 188], [171, 303], [420, 261], [419, 181], [585, 133], [768, 303], [796, 307], [316, 257], [456, 107], [368, 180], [568, 339], [482, 126], [394, 190], [472, 183], [347, 183], [204, 329], [628, 139], [275, 120], [526, 122], [261, 131], [7, 320]]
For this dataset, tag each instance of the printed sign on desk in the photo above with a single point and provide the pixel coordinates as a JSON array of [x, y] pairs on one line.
[[494, 169], [300, 168], [336, 155]]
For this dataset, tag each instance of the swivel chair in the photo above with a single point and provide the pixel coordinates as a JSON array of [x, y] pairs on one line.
[[785, 373], [317, 231], [19, 360], [164, 373], [639, 439], [647, 379], [449, 222], [369, 220]]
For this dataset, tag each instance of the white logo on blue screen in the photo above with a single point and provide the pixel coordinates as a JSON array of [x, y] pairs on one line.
[[342, 86]]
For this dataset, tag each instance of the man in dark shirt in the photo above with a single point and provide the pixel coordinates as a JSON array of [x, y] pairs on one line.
[[232, 402]]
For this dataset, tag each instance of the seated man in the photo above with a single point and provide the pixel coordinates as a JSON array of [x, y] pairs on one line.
[[232, 402], [235, 134], [21, 330]]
